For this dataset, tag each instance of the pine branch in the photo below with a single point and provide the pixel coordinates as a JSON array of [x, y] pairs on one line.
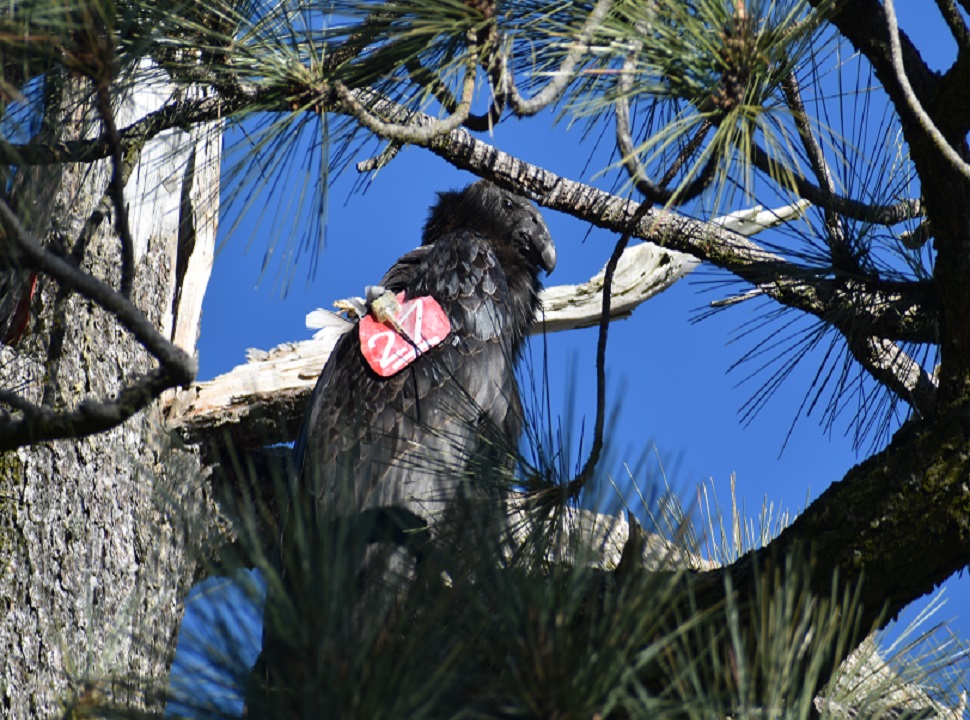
[[829, 200], [560, 78], [839, 252], [899, 311], [898, 371], [55, 345], [654, 192], [116, 186], [36, 423], [863, 23], [892, 311], [912, 102]]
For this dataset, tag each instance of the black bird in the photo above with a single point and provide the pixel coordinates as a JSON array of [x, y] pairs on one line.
[[370, 441], [400, 444]]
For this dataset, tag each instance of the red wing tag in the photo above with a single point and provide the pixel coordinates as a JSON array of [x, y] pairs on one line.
[[383, 347]]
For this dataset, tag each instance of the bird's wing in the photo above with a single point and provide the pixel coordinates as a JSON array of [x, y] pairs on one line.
[[406, 440]]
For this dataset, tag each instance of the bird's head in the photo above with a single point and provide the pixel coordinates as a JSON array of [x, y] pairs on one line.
[[501, 215]]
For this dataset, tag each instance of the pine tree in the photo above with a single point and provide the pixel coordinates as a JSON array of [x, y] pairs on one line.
[[111, 114]]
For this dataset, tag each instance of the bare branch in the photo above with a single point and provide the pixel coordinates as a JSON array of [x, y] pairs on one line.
[[116, 187], [372, 164], [644, 270], [36, 257], [956, 23], [42, 423], [918, 236], [407, 132], [183, 113], [37, 424], [754, 220], [653, 192], [895, 369], [878, 214], [925, 121], [55, 346], [859, 21], [575, 486], [560, 78]]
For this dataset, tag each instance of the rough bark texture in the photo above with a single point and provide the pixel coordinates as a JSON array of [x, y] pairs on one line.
[[900, 521], [93, 560]]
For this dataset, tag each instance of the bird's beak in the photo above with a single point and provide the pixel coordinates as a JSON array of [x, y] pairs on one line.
[[547, 251]]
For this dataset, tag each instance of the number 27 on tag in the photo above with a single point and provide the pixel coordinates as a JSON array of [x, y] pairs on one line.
[[383, 347]]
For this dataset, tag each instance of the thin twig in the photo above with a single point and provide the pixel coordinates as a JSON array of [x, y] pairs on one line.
[[116, 188], [388, 153], [816, 157], [55, 347], [406, 132], [656, 192], [16, 401], [737, 299], [848, 207], [489, 119], [90, 416], [574, 486], [37, 423], [687, 152], [956, 23], [926, 122], [183, 113], [560, 78]]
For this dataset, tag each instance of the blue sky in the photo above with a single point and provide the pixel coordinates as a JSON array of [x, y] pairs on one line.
[[670, 376]]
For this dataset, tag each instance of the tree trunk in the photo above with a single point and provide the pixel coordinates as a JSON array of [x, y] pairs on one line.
[[94, 558]]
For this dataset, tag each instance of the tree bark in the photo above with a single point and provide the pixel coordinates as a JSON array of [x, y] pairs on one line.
[[898, 523], [95, 555]]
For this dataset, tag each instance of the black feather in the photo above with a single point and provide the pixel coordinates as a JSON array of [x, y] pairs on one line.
[[403, 449], [370, 441]]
